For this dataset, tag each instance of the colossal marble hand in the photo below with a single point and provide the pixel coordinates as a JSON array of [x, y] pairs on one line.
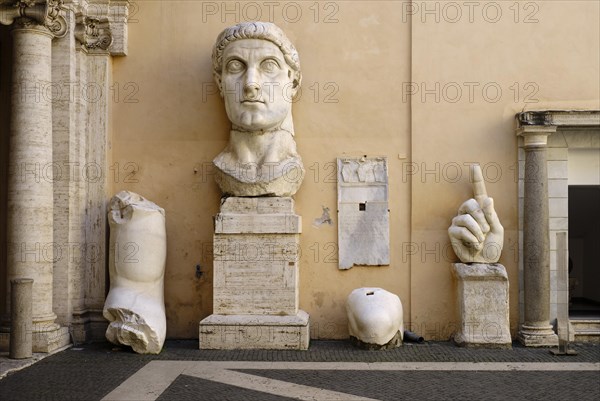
[[257, 70], [476, 233], [135, 305]]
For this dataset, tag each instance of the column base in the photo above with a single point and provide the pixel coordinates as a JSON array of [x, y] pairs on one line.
[[51, 340], [43, 341], [537, 336], [255, 332], [88, 326]]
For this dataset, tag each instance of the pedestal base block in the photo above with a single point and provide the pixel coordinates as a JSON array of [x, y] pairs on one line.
[[483, 305], [255, 332]]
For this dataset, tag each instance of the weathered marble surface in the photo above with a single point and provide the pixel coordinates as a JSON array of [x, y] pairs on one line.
[[256, 269], [256, 257], [375, 316], [135, 304], [482, 299], [257, 70], [363, 215], [476, 233]]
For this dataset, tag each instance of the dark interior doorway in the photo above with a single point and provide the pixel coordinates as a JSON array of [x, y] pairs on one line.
[[584, 251]]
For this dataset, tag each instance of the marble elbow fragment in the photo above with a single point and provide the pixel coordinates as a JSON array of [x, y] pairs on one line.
[[135, 306]]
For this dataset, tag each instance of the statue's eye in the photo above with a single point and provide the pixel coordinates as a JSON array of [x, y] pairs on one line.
[[269, 65], [235, 66]]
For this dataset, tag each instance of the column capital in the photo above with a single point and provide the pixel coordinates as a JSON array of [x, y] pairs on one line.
[[28, 14], [535, 136]]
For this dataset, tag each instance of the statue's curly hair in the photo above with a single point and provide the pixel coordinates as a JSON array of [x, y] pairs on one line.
[[256, 30]]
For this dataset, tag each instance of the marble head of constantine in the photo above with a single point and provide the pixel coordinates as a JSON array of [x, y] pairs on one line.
[[257, 70]]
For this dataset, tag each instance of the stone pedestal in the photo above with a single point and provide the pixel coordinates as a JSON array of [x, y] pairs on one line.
[[255, 289], [536, 330], [482, 297]]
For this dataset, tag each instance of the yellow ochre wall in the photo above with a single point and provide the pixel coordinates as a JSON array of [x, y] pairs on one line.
[[360, 62]]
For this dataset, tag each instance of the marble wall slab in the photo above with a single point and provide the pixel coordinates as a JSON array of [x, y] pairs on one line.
[[363, 214]]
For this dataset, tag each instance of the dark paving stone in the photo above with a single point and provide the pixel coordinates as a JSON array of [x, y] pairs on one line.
[[343, 351], [192, 388], [91, 371], [70, 375], [448, 385]]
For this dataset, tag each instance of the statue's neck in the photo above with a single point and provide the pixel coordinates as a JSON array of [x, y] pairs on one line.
[[287, 125], [249, 134], [259, 146]]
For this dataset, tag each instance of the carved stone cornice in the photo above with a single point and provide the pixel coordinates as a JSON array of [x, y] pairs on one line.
[[101, 25], [28, 14], [93, 34], [559, 118]]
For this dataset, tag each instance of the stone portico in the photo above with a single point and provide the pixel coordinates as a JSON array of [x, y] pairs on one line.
[[59, 161], [545, 139]]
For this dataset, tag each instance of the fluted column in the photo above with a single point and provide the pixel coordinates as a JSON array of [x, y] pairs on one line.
[[536, 330], [31, 250]]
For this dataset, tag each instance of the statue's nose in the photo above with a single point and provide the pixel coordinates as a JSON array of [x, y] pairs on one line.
[[251, 91]]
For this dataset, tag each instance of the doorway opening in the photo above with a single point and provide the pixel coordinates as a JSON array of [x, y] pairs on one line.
[[584, 251]]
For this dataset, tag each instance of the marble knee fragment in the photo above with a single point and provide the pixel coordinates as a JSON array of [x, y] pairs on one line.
[[135, 304], [375, 317]]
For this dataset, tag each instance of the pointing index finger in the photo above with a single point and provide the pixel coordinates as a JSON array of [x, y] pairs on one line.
[[479, 191]]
